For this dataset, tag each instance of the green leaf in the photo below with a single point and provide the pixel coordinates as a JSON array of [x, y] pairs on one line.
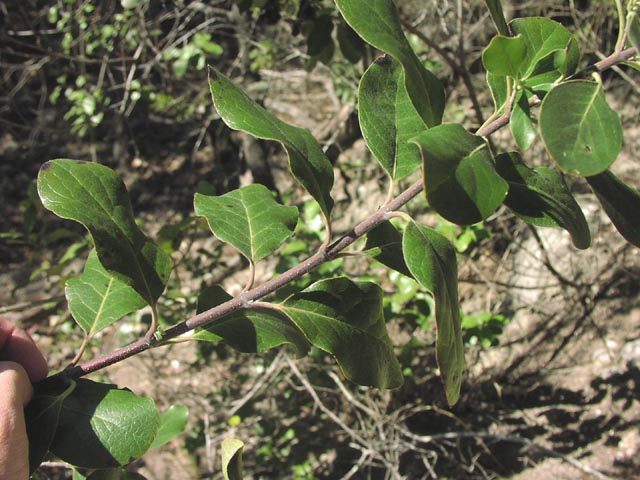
[[97, 299], [351, 45], [41, 416], [621, 202], [522, 127], [249, 219], [499, 87], [378, 23], [249, 331], [101, 426], [346, 319], [504, 55], [388, 119], [497, 15], [432, 261], [384, 243], [543, 38], [459, 176], [232, 459], [580, 131], [307, 161], [172, 423], [94, 196], [540, 197]]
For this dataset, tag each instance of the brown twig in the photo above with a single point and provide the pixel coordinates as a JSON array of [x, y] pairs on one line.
[[245, 299]]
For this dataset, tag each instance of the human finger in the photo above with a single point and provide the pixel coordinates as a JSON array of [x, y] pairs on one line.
[[17, 346]]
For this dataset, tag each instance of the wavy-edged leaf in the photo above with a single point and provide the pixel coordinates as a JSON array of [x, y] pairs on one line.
[[459, 176], [579, 129], [94, 196], [378, 23], [172, 423], [432, 261], [249, 331], [504, 56], [41, 416], [97, 299], [249, 219], [621, 202], [307, 161], [231, 450], [497, 15], [346, 319], [102, 426], [384, 243], [540, 197], [388, 119]]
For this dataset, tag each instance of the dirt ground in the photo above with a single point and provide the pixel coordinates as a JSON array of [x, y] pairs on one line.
[[559, 397]]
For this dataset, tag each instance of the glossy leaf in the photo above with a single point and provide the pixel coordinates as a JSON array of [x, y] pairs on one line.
[[101, 426], [41, 417], [540, 197], [384, 243], [432, 261], [231, 450], [94, 196], [621, 202], [388, 119], [249, 219], [97, 299], [459, 176], [172, 423], [307, 161], [250, 331], [543, 38], [378, 23], [580, 131], [497, 15], [346, 319], [522, 128], [504, 55]]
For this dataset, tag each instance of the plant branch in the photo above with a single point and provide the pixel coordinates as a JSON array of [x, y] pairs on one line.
[[332, 251]]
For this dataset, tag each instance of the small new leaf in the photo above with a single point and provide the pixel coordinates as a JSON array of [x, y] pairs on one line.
[[249, 219], [432, 261], [94, 196], [504, 55]]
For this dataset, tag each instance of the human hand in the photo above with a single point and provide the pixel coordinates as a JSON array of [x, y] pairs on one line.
[[21, 364]]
